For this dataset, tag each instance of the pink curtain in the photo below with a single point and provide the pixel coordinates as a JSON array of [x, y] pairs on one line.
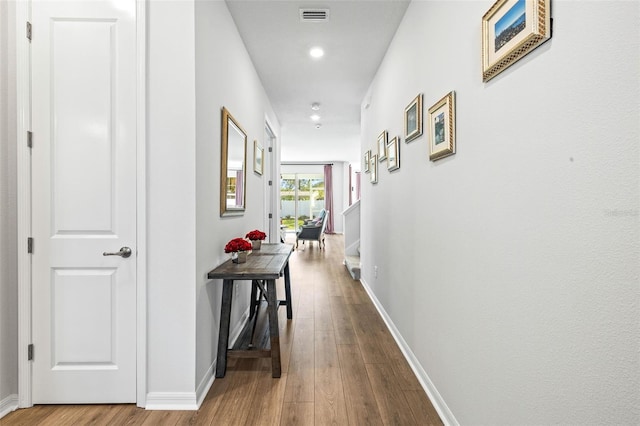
[[328, 196]]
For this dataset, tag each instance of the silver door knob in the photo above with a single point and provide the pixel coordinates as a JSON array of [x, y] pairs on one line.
[[124, 252]]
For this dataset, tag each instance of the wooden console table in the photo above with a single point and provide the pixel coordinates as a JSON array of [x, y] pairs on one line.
[[262, 266]]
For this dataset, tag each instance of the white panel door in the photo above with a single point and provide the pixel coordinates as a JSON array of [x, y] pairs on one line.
[[83, 63]]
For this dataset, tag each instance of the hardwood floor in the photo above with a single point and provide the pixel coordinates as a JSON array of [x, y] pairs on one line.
[[340, 366]]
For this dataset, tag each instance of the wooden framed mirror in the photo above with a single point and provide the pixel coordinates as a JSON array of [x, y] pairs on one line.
[[233, 166]]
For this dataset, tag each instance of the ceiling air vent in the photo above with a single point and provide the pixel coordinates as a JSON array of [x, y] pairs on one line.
[[314, 15]]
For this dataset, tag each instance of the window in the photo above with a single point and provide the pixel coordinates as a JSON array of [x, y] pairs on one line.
[[301, 198]]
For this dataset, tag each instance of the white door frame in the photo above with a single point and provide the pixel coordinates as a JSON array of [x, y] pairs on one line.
[[272, 192], [23, 101]]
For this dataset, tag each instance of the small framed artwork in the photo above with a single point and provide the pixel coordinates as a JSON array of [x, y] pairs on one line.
[[510, 30], [442, 127], [393, 154], [413, 119], [367, 161], [374, 168], [258, 157], [382, 146]]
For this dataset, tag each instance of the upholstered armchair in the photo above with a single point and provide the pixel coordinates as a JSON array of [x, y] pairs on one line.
[[313, 230]]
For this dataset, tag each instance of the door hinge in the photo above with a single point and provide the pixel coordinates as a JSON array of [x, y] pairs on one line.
[[30, 245], [29, 139], [270, 182], [270, 215], [270, 149], [30, 352], [29, 30]]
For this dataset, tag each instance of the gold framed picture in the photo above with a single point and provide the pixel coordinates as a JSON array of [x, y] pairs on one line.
[[413, 119], [258, 158], [442, 127], [382, 145], [374, 168], [367, 161], [393, 154], [510, 30]]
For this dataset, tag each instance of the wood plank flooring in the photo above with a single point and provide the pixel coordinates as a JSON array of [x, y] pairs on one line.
[[340, 366]]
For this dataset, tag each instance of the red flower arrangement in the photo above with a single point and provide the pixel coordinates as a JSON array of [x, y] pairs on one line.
[[256, 235], [237, 244]]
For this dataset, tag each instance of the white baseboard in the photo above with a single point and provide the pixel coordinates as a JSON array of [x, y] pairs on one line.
[[171, 401], [8, 405], [205, 384], [441, 407], [192, 400], [209, 377]]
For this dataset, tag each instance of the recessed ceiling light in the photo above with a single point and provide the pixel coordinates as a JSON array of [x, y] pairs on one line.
[[315, 117], [315, 106], [316, 52]]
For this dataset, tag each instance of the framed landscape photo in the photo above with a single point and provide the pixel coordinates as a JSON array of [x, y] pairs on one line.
[[382, 145], [442, 127], [510, 30], [367, 161], [374, 168], [258, 157], [393, 157], [413, 119]]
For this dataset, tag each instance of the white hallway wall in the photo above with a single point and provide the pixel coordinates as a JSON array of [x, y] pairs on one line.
[[197, 65], [171, 218], [225, 76], [511, 269]]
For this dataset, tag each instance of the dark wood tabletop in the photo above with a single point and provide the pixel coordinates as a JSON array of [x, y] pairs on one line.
[[273, 248], [255, 268], [266, 263]]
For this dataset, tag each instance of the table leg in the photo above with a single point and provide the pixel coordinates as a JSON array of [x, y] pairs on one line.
[[254, 290], [274, 332], [287, 290], [223, 336]]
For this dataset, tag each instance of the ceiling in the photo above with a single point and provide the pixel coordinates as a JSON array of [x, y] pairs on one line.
[[355, 37]]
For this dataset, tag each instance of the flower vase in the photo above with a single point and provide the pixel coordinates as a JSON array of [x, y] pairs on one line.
[[239, 256], [256, 244]]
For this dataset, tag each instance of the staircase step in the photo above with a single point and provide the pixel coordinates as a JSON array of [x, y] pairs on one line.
[[352, 264]]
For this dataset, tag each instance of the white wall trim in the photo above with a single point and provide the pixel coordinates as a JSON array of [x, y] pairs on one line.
[[205, 384], [23, 115], [272, 193], [141, 203], [171, 401], [189, 400], [438, 402], [209, 377], [8, 405]]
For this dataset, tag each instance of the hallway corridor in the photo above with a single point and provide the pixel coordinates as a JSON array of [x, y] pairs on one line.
[[341, 366]]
